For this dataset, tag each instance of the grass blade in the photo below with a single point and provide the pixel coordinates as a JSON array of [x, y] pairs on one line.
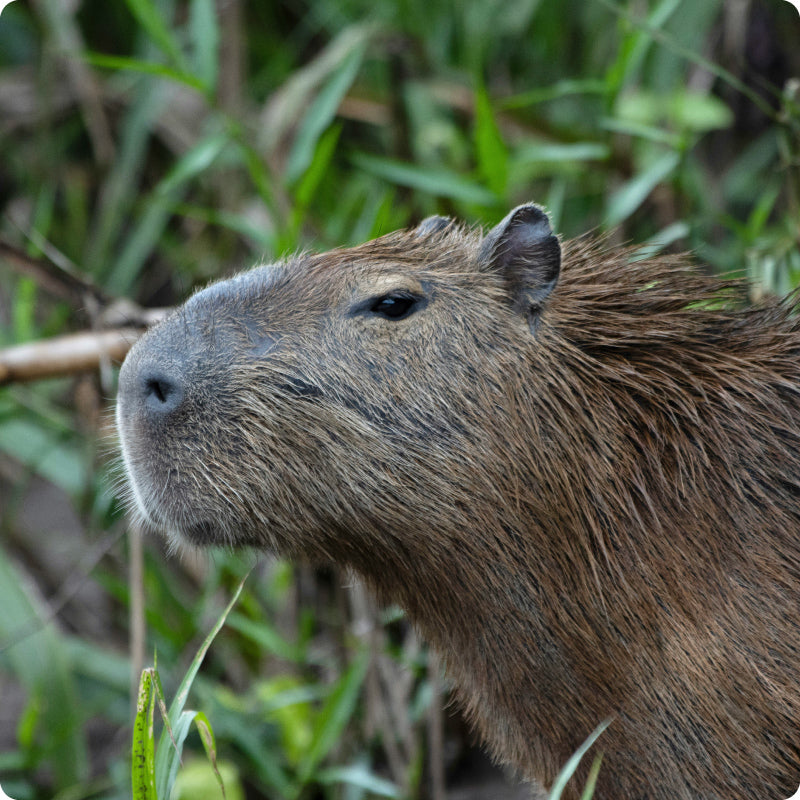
[[143, 775], [126, 64], [554, 152], [569, 768], [489, 146], [334, 715], [438, 182], [195, 161], [204, 34], [168, 754], [119, 190], [635, 48], [321, 113], [188, 679], [151, 20], [209, 745], [159, 207], [591, 780], [631, 195]]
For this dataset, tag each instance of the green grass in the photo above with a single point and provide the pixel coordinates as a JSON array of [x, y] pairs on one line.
[[152, 145]]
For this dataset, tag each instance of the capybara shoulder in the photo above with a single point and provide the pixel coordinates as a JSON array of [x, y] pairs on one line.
[[578, 472]]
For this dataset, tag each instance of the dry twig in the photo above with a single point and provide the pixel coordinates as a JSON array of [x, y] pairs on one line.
[[65, 355]]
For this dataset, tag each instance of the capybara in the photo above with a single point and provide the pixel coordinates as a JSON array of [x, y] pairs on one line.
[[582, 484]]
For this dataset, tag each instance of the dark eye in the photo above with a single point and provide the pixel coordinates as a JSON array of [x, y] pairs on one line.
[[397, 305]]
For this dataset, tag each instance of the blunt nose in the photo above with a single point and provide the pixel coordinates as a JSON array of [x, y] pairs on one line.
[[150, 389], [162, 393]]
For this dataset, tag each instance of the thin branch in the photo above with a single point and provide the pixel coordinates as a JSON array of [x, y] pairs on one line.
[[137, 606], [121, 323], [65, 355], [53, 277]]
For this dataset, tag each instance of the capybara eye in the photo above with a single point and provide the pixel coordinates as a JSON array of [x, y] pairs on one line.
[[397, 305]]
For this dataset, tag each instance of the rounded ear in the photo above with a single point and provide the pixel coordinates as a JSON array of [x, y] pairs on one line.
[[524, 250], [432, 225]]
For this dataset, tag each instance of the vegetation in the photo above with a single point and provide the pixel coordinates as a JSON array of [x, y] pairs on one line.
[[147, 146]]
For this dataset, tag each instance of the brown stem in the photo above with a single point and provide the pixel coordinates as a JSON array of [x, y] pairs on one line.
[[65, 355]]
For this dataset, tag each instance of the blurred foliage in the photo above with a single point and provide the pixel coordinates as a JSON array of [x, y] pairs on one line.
[[150, 145]]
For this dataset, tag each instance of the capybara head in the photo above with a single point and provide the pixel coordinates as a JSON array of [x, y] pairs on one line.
[[581, 480], [305, 405]]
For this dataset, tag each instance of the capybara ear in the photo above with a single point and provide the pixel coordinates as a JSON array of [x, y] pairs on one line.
[[433, 225], [525, 251]]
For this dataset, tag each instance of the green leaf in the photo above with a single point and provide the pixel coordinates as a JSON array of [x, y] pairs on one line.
[[45, 453], [192, 163], [322, 112], [317, 169], [204, 34], [151, 20], [257, 170], [699, 112], [143, 776], [141, 242], [290, 705], [265, 636], [575, 151], [625, 200], [663, 239], [29, 721], [159, 208], [209, 745], [489, 146], [24, 310], [438, 182], [170, 750], [681, 110], [262, 240], [334, 716], [647, 132], [125, 64], [760, 214]]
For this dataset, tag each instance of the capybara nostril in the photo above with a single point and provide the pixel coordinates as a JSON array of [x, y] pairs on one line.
[[162, 394]]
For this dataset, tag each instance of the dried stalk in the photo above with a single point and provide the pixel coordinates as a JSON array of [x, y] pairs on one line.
[[65, 355]]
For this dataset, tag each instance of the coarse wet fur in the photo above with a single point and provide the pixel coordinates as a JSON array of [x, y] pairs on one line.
[[579, 474]]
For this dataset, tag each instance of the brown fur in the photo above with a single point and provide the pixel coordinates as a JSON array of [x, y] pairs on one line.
[[588, 499]]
